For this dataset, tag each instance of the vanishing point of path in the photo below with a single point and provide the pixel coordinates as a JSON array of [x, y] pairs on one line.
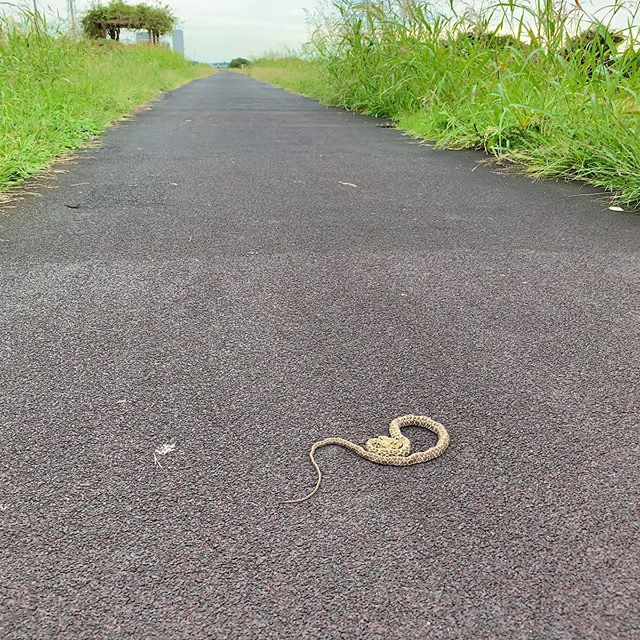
[[217, 286]]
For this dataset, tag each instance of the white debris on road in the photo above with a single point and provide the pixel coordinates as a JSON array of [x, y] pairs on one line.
[[163, 450]]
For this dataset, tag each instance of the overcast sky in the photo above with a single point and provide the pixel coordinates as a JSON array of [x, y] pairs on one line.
[[217, 30]]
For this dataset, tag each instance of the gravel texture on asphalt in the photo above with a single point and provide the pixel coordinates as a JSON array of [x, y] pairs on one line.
[[217, 286]]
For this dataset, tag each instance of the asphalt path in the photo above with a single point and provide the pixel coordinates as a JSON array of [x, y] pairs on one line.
[[209, 277]]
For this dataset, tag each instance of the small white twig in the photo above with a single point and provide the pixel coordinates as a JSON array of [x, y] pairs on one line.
[[163, 450]]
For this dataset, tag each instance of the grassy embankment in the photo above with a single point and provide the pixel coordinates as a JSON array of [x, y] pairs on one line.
[[516, 83], [58, 92]]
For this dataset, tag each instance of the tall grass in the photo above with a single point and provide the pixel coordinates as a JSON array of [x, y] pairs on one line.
[[56, 91], [553, 89]]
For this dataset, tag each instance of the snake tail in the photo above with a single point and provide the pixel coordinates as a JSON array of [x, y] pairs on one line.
[[316, 446]]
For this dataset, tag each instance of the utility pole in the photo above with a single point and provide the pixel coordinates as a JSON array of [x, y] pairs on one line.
[[71, 14]]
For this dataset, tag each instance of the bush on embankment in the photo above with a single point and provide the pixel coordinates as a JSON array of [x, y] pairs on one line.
[[558, 93], [57, 92]]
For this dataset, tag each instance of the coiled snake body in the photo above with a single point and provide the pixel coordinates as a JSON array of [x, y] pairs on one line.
[[394, 449]]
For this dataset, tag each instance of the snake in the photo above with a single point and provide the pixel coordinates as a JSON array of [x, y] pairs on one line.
[[394, 449]]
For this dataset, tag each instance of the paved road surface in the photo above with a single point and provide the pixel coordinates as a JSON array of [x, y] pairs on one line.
[[218, 287]]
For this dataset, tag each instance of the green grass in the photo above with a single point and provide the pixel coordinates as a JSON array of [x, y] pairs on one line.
[[305, 77], [57, 92], [517, 84]]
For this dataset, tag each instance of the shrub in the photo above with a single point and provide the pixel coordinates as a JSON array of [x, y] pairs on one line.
[[237, 63]]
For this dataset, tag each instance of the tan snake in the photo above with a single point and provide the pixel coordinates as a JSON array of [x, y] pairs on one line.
[[394, 449]]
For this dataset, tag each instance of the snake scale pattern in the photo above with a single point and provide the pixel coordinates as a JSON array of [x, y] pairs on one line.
[[394, 449]]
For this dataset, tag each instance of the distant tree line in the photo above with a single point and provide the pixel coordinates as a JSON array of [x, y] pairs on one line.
[[107, 20]]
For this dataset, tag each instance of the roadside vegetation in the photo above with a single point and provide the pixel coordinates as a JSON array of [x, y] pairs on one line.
[[58, 91], [545, 86], [238, 63], [108, 20]]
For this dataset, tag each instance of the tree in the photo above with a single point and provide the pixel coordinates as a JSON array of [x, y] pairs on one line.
[[237, 63], [107, 20], [156, 21]]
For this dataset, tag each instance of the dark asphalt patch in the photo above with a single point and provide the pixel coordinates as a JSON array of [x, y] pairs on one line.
[[220, 290]]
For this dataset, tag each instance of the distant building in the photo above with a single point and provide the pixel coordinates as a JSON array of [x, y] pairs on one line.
[[177, 42]]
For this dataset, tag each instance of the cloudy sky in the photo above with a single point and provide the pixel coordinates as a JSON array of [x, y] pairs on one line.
[[217, 30]]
